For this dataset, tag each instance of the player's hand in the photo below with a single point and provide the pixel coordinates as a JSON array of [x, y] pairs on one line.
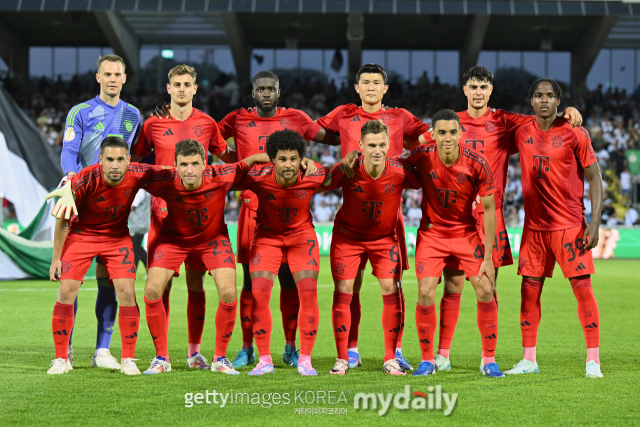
[[348, 162], [591, 236], [475, 203], [487, 268], [66, 203], [573, 116], [309, 166], [55, 271], [161, 111]]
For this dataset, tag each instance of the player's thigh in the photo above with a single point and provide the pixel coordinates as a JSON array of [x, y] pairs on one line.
[[453, 281], [346, 257], [266, 255], [285, 277], [157, 279], [125, 289], [568, 248], [357, 283], [427, 290], [76, 257], [101, 269], [432, 254], [535, 258], [303, 253], [118, 256], [195, 278], [68, 291], [225, 280], [386, 258]]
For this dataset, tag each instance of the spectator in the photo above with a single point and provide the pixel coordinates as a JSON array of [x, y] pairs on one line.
[[414, 214], [631, 218], [322, 212], [625, 182]]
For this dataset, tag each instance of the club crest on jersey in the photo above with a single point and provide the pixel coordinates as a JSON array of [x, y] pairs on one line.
[[127, 192], [489, 126], [128, 125], [198, 130], [420, 267], [385, 118], [338, 268], [521, 263], [462, 178], [388, 188], [66, 266], [157, 255], [301, 194], [285, 122], [557, 141], [209, 194], [255, 260]]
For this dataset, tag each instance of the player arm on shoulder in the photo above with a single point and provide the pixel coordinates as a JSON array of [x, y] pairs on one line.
[[59, 236], [327, 137], [333, 180], [592, 233], [348, 162], [489, 205], [229, 155]]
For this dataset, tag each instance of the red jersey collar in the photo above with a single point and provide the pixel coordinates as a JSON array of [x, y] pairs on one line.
[[454, 163], [560, 121], [364, 169], [193, 111], [485, 115]]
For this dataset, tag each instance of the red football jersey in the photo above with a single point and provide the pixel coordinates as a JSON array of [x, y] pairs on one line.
[[283, 210], [449, 192], [250, 132], [103, 210], [162, 135], [347, 120], [370, 206], [552, 164], [198, 215], [492, 136]]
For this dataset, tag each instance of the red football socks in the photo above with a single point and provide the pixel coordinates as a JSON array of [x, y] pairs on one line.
[[246, 305], [356, 314], [449, 313], [487, 317], [289, 307], [196, 309], [391, 323], [129, 321], [530, 312], [225, 322], [399, 343], [157, 321], [167, 307], [426, 321], [341, 320], [61, 325], [588, 313], [308, 315], [261, 315]]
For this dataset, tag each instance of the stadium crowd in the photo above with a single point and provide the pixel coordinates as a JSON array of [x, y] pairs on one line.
[[612, 117]]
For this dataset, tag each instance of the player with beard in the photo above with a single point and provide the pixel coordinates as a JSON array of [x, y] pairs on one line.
[[490, 133], [347, 120], [161, 136]]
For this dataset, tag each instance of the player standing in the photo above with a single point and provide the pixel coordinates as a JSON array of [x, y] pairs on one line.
[[366, 227], [161, 136], [250, 129], [193, 229], [347, 121], [88, 124], [554, 159], [104, 193], [489, 132], [451, 177], [284, 228]]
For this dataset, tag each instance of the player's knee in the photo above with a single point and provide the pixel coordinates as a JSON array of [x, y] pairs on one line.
[[153, 290], [227, 292], [484, 290]]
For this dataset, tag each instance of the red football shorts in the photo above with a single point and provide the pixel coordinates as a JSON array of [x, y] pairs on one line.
[[539, 251], [501, 254], [434, 253], [402, 246], [168, 252], [116, 254], [246, 229], [300, 249], [158, 214], [347, 255]]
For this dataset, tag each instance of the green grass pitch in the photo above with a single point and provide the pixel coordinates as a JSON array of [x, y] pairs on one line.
[[559, 395]]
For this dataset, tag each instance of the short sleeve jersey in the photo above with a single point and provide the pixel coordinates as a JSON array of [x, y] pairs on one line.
[[103, 210], [283, 210], [347, 120], [449, 192], [370, 206], [196, 216], [492, 136], [162, 135], [552, 164]]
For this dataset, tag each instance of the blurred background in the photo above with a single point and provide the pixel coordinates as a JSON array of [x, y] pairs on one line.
[[49, 48]]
